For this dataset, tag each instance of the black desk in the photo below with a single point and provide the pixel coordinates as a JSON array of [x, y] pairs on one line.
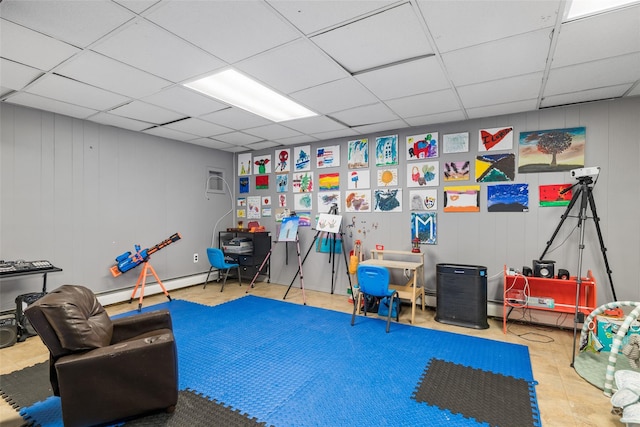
[[43, 271]]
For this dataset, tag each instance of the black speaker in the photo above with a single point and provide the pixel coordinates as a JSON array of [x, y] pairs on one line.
[[543, 268], [25, 330], [8, 331], [527, 271], [563, 274], [461, 295]]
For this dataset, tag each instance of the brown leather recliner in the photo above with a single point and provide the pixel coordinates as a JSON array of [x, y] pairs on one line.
[[105, 370]]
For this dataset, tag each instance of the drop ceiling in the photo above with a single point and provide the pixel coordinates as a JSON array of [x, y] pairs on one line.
[[363, 66]]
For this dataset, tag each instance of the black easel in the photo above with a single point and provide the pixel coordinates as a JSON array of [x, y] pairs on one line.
[[584, 192]]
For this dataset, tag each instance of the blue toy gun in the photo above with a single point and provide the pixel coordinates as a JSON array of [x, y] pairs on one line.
[[128, 261]]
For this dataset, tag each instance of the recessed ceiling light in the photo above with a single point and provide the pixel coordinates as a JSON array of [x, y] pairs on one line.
[[582, 8], [239, 90]]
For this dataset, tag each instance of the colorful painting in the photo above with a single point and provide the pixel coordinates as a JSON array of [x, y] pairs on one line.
[[424, 227], [508, 198], [241, 202], [420, 200], [553, 150], [327, 199], [555, 194], [302, 182], [284, 164], [328, 157], [329, 181], [302, 161], [262, 182], [357, 201], [456, 171], [281, 213], [423, 146], [262, 164], [253, 207], [305, 219], [359, 179], [387, 177], [495, 139], [462, 198], [496, 167], [424, 174], [282, 200], [302, 201], [387, 150], [241, 213], [388, 200], [243, 184], [358, 154], [282, 183], [455, 143], [289, 229], [244, 164]]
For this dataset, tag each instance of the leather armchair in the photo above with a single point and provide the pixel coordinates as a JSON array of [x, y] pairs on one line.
[[105, 370]]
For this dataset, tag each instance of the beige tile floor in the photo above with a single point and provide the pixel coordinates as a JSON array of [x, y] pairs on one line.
[[564, 398]]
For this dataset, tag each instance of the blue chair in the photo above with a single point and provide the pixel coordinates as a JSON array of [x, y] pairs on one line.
[[217, 261], [374, 281]]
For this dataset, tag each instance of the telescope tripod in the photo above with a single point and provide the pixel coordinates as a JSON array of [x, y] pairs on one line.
[[147, 270], [583, 192]]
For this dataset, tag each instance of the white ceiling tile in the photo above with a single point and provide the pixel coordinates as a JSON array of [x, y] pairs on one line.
[[343, 133], [47, 104], [312, 16], [142, 111], [179, 98], [74, 92], [235, 118], [302, 139], [137, 6], [211, 143], [198, 127], [28, 47], [585, 96], [383, 38], [458, 24], [368, 114], [101, 71], [334, 96], [76, 22], [514, 56], [424, 104], [450, 116], [295, 66], [237, 138], [635, 91], [314, 124], [158, 52], [618, 33], [272, 131], [595, 74], [230, 30], [169, 133], [16, 76], [502, 109], [501, 91], [410, 78], [381, 127], [235, 149], [118, 121], [262, 145]]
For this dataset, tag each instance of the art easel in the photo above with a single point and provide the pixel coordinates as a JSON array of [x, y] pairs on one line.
[[147, 270]]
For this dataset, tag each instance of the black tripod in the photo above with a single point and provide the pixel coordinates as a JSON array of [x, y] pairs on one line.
[[584, 192]]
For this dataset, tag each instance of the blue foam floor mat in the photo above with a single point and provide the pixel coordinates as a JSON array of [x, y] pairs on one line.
[[293, 365]]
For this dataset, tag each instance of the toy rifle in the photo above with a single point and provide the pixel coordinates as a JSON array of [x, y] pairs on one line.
[[128, 261]]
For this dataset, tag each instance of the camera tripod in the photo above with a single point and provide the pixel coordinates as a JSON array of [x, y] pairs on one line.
[[583, 192]]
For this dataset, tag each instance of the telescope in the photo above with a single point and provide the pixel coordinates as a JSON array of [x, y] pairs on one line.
[[128, 261]]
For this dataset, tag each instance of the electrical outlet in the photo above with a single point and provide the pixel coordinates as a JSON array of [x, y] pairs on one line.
[[195, 257]]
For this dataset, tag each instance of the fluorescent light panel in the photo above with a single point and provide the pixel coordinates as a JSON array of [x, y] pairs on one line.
[[240, 91], [581, 8]]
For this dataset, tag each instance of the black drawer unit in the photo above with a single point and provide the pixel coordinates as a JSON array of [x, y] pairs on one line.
[[249, 262], [461, 297]]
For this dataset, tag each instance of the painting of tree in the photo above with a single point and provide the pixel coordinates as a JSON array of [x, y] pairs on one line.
[[553, 150]]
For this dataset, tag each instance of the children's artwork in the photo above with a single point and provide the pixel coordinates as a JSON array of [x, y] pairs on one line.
[[305, 219], [508, 198], [424, 227], [328, 181], [463, 198], [302, 201], [253, 207], [420, 200], [243, 184], [266, 200], [556, 195], [496, 167], [358, 179], [327, 199], [329, 223], [358, 154], [387, 150], [456, 171], [241, 202], [302, 182], [388, 200], [289, 229], [328, 157], [495, 139], [282, 183], [244, 164], [423, 146], [455, 143], [283, 164], [424, 174], [357, 201], [262, 182], [282, 200], [241, 213], [553, 150], [282, 213], [388, 177], [302, 161], [262, 164], [266, 211]]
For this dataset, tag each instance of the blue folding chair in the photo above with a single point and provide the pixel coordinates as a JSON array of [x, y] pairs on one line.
[[374, 281], [217, 261]]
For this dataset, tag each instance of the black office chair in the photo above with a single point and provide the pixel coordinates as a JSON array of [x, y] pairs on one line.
[[216, 259], [374, 281]]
